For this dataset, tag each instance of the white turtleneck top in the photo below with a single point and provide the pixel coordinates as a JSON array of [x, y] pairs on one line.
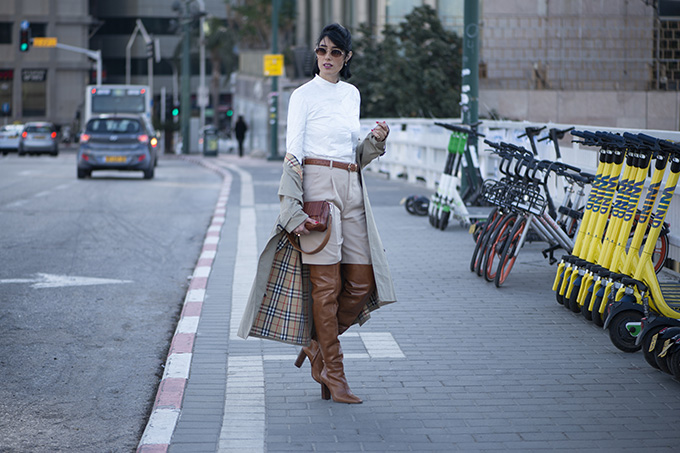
[[323, 121]]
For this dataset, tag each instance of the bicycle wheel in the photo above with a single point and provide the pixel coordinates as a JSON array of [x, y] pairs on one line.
[[496, 247], [493, 216], [495, 237], [510, 252], [660, 252], [485, 243]]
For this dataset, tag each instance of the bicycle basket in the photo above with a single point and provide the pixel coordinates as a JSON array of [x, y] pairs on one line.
[[527, 198]]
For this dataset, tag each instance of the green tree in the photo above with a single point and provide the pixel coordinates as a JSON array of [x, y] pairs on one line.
[[253, 21], [414, 71]]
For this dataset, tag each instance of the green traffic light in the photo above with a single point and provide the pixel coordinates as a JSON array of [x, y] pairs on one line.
[[24, 47], [175, 111], [230, 113]]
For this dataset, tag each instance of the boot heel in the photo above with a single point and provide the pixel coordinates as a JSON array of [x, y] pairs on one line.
[[300, 359], [325, 392]]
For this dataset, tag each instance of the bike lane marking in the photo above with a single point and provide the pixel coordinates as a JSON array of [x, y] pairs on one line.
[[243, 423]]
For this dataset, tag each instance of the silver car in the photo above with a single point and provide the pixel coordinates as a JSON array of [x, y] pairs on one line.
[[117, 142], [39, 137], [9, 137]]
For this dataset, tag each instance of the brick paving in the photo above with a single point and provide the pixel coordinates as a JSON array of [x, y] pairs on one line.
[[483, 369]]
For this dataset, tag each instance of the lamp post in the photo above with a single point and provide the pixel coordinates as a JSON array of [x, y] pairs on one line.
[[202, 91], [185, 100], [274, 109], [470, 88]]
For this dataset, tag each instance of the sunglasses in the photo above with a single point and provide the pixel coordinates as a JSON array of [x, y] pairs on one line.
[[321, 51]]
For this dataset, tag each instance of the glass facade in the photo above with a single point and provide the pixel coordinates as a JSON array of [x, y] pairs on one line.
[[34, 92]]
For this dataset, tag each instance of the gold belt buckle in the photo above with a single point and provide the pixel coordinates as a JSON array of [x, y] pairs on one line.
[[352, 167]]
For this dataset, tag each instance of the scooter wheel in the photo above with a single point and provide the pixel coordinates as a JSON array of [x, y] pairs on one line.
[[444, 221], [596, 315], [662, 362], [619, 334], [421, 205], [559, 297], [650, 356], [674, 364], [584, 309], [572, 302]]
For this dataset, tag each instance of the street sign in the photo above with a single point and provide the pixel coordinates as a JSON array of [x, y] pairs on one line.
[[45, 42], [273, 65]]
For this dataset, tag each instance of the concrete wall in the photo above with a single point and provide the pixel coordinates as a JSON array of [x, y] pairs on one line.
[[634, 109]]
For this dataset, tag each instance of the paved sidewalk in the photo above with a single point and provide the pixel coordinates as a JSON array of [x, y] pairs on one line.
[[455, 365]]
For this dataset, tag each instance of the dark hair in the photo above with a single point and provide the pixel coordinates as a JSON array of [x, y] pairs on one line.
[[342, 38]]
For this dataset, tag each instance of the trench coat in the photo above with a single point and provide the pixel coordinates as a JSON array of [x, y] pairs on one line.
[[279, 306]]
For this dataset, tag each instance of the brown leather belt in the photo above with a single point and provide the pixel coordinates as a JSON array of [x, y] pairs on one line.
[[332, 164]]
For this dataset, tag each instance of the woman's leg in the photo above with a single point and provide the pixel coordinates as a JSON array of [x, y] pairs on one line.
[[358, 285], [326, 283]]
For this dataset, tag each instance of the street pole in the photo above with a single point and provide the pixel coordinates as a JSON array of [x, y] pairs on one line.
[[184, 109], [274, 109], [96, 55], [202, 91], [470, 89]]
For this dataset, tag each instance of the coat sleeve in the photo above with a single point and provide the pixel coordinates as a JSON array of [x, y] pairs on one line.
[[290, 194], [369, 149]]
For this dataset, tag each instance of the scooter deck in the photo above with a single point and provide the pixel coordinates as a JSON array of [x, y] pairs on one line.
[[671, 295], [479, 212]]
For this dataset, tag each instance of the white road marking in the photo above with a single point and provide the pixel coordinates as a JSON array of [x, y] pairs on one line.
[[381, 345], [202, 271], [188, 324], [178, 366], [160, 427], [243, 425], [59, 281], [244, 417]]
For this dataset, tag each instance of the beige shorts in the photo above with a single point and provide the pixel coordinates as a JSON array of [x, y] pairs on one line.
[[348, 243]]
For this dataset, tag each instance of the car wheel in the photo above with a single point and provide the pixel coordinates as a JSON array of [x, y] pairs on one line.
[[84, 173], [148, 174], [21, 152]]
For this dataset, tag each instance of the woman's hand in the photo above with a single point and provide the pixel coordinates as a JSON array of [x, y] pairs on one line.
[[381, 131], [302, 228]]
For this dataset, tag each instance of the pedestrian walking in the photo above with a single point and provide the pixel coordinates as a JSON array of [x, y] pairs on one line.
[[240, 129], [310, 299]]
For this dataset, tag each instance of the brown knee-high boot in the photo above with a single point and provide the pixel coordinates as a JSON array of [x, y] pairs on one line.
[[326, 285], [312, 352], [358, 284]]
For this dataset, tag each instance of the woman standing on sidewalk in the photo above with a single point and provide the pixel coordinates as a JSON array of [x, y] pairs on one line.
[[350, 276]]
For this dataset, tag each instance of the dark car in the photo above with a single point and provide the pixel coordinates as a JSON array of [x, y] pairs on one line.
[[117, 143], [38, 137]]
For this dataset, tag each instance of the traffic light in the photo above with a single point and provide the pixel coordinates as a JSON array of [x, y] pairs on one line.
[[24, 39], [175, 112], [230, 113], [149, 49]]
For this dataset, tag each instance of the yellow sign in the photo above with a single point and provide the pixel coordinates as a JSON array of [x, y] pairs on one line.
[[273, 65], [44, 42]]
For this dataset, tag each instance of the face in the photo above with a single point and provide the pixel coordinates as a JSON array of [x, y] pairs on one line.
[[332, 62]]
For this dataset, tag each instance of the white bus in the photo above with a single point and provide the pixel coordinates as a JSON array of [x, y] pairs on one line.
[[108, 99]]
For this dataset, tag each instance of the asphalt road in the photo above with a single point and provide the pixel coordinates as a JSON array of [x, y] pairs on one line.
[[80, 360]]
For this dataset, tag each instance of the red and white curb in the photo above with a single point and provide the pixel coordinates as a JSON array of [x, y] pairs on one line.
[[168, 403]]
